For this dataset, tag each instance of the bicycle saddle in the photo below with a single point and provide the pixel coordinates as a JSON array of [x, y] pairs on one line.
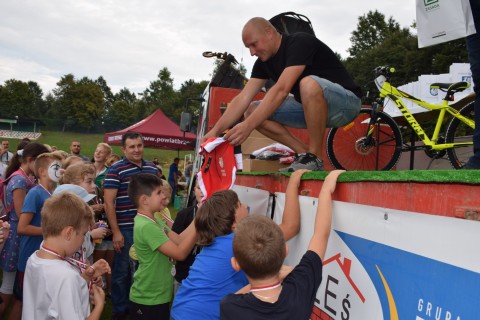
[[453, 87]]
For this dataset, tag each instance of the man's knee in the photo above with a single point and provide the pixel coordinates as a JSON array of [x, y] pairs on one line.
[[310, 90]]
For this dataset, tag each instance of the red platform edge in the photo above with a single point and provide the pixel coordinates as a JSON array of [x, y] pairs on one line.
[[449, 199]]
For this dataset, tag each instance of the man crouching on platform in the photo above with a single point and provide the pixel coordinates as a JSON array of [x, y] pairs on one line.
[[324, 94]]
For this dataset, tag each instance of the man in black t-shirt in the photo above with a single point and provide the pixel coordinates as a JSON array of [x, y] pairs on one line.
[[324, 94]]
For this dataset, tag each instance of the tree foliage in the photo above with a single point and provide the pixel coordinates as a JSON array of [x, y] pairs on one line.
[[397, 48], [21, 99], [372, 29]]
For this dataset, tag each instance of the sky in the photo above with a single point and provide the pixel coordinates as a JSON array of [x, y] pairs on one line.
[[128, 42]]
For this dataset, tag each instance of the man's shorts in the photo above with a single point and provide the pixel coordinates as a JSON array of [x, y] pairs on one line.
[[343, 107]]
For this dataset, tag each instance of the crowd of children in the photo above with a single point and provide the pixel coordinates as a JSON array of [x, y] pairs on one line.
[[213, 261]]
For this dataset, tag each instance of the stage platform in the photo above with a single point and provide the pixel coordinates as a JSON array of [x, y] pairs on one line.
[[452, 193]]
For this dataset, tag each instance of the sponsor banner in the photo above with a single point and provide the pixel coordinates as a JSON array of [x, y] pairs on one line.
[[390, 264], [257, 200]]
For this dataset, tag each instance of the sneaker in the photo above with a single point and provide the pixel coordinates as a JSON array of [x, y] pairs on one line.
[[472, 164], [304, 161]]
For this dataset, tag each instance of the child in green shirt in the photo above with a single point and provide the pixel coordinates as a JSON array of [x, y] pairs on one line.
[[155, 243]]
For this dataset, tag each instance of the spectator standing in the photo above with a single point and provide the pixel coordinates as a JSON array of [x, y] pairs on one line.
[[102, 153], [188, 172], [75, 149], [121, 212], [5, 155], [173, 177], [20, 182]]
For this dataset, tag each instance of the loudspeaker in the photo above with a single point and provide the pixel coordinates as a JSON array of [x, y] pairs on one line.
[[185, 121]]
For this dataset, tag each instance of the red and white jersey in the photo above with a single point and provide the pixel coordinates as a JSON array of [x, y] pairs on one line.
[[219, 167]]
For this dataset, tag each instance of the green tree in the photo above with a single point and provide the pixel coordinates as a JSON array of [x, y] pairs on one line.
[[123, 111], [120, 115], [108, 96], [125, 95], [189, 90], [372, 29], [399, 49], [21, 99], [80, 104], [160, 93]]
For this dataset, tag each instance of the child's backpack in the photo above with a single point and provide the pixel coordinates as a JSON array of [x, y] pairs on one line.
[[3, 196], [221, 160], [291, 22]]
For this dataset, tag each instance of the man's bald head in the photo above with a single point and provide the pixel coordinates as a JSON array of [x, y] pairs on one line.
[[261, 38], [258, 24]]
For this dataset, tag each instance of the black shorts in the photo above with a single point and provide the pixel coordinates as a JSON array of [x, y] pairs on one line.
[[143, 312], [18, 285]]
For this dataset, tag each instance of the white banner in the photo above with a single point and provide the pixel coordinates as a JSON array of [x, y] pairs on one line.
[[257, 200], [443, 20], [389, 264]]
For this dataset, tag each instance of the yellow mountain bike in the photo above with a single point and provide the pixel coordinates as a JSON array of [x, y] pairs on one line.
[[374, 141]]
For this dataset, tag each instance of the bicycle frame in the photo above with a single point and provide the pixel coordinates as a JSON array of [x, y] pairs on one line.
[[396, 95]]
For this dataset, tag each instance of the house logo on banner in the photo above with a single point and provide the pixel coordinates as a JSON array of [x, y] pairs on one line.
[[369, 280]]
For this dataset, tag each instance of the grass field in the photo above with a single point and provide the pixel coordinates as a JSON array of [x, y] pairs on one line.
[[89, 142]]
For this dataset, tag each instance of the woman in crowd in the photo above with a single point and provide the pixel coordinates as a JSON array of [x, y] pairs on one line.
[[20, 181]]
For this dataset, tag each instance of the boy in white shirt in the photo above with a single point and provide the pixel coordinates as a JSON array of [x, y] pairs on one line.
[[56, 286]]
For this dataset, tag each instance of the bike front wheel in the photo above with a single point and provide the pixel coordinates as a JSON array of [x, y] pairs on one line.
[[350, 148], [458, 132]]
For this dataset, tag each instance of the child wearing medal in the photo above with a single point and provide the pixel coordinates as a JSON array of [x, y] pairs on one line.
[[47, 170], [211, 277], [259, 249], [155, 243], [56, 286]]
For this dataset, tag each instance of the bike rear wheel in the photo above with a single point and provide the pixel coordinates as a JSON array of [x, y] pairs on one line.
[[348, 147], [458, 131]]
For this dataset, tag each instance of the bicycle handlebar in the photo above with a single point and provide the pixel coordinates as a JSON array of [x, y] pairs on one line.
[[219, 55], [384, 71], [224, 56]]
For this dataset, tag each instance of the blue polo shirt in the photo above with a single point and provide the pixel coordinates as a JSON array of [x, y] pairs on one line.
[[118, 177]]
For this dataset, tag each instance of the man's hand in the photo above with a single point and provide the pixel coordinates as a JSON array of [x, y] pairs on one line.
[[238, 134], [210, 134], [118, 241]]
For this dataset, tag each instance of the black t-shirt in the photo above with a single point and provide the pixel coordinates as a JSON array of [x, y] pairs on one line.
[[304, 49], [295, 301], [182, 221]]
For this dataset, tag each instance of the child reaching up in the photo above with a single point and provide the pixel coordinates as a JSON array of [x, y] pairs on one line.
[[211, 277], [56, 286], [259, 250], [151, 292]]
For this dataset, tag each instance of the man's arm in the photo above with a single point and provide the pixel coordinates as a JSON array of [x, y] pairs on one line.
[[323, 219], [236, 108], [272, 100], [109, 196], [291, 214]]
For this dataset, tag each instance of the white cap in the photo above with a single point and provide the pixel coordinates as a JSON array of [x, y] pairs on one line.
[[79, 191]]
